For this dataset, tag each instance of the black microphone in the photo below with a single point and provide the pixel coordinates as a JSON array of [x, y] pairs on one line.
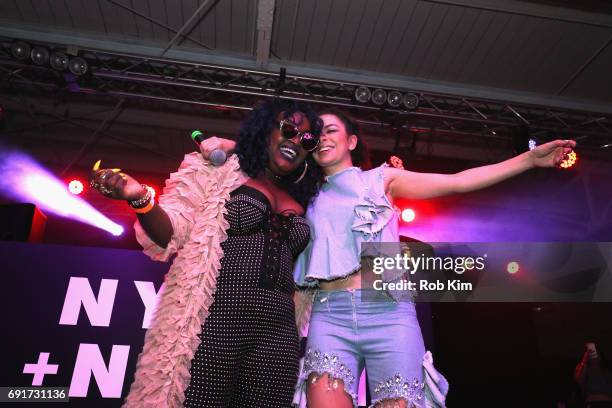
[[217, 157]]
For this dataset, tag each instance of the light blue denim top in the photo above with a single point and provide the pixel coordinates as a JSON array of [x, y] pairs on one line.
[[351, 208]]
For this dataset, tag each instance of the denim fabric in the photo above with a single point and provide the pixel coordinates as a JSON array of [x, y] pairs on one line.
[[349, 330], [350, 209]]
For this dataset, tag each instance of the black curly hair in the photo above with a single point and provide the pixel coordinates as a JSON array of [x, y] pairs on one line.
[[360, 156], [254, 138]]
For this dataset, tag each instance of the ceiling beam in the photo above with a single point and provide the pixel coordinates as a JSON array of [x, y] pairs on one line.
[[154, 21], [185, 26], [200, 56], [585, 65], [265, 21], [531, 9]]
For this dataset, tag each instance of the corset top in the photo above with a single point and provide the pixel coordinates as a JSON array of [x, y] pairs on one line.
[[249, 211]]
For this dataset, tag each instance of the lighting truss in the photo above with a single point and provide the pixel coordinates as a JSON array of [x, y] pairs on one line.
[[178, 82]]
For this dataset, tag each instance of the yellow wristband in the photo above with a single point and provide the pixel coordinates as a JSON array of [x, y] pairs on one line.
[[147, 208]]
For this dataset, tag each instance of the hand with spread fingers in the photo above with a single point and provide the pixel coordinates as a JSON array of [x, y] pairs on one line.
[[112, 183]]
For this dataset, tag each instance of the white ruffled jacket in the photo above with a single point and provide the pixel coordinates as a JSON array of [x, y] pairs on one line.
[[194, 198]]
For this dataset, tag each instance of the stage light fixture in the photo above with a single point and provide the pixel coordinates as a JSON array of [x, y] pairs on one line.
[[363, 94], [29, 182], [78, 66], [396, 162], [408, 215], [411, 101], [40, 55], [532, 144], [20, 50], [75, 187], [379, 96], [571, 160], [59, 61], [394, 99], [513, 267]]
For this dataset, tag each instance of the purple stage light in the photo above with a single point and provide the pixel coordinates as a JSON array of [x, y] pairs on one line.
[[26, 180]]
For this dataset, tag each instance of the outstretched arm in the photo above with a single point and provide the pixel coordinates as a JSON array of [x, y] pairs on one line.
[[408, 184]]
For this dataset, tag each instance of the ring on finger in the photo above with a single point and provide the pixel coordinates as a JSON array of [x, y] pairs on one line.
[[104, 190]]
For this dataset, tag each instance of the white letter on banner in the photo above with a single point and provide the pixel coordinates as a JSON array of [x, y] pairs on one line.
[[150, 299], [98, 310], [89, 360]]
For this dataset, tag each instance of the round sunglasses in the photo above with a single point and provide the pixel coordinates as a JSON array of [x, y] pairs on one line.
[[308, 141]]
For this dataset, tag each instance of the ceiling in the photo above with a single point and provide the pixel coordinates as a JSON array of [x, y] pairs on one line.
[[532, 53]]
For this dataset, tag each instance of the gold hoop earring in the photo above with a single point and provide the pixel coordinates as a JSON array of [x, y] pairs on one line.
[[303, 173]]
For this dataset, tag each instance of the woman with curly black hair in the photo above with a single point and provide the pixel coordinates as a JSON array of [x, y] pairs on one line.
[[224, 334]]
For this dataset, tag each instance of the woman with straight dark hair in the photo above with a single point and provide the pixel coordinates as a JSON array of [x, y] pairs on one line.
[[349, 327]]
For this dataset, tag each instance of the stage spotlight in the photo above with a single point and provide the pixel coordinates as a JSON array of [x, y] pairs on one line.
[[532, 144], [396, 162], [78, 66], [40, 55], [394, 99], [379, 96], [27, 181], [363, 94], [59, 61], [408, 215], [571, 160], [513, 267], [75, 187], [20, 50], [411, 101]]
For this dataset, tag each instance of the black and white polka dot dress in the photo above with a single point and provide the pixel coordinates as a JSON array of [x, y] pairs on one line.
[[249, 351]]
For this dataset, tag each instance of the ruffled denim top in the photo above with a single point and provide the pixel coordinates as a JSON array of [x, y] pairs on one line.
[[351, 208]]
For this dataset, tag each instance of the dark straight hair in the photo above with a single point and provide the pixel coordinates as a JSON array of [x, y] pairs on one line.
[[361, 154]]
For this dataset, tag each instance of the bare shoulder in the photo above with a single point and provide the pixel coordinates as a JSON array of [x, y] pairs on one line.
[[389, 175], [262, 188]]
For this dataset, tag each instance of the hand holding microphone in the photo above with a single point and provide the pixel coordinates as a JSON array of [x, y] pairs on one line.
[[212, 148]]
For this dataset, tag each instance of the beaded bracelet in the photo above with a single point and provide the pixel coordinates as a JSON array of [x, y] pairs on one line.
[[144, 201]]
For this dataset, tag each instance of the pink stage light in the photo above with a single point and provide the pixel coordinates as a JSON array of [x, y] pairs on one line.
[[408, 215], [26, 180], [75, 187]]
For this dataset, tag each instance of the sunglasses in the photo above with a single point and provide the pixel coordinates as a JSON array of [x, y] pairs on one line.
[[308, 141]]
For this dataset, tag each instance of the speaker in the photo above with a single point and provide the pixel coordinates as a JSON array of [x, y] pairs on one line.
[[22, 222]]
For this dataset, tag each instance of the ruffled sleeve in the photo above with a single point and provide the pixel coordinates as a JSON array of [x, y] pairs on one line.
[[373, 211], [181, 200]]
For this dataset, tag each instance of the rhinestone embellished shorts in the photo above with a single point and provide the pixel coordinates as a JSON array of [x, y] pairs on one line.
[[349, 331]]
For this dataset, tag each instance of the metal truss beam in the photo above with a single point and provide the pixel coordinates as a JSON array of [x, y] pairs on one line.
[[159, 79]]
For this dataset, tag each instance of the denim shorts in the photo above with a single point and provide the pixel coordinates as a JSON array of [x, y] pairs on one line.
[[349, 331]]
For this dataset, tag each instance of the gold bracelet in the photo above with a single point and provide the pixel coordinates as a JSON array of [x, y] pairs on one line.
[[147, 208]]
